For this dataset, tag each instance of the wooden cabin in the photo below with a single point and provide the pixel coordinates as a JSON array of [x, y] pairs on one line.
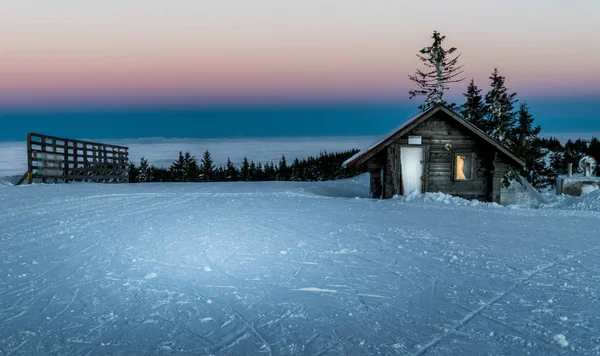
[[437, 151]]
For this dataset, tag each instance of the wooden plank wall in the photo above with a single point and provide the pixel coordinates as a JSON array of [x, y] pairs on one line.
[[76, 160], [439, 163]]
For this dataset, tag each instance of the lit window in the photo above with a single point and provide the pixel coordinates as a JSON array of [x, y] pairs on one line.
[[464, 165]]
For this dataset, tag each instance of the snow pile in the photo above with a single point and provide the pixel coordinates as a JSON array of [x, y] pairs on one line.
[[357, 187], [561, 340], [522, 194], [587, 202], [8, 181], [589, 188], [441, 198]]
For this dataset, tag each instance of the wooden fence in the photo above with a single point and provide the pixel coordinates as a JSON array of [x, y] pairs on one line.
[[63, 159]]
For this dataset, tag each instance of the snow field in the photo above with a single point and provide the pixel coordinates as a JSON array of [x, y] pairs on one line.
[[285, 268]]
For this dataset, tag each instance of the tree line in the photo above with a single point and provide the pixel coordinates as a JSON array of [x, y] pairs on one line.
[[502, 116], [499, 114], [187, 168]]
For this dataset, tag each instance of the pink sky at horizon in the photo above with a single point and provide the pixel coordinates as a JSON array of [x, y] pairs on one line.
[[111, 52]]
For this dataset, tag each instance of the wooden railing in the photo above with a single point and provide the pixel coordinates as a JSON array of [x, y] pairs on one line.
[[63, 159]]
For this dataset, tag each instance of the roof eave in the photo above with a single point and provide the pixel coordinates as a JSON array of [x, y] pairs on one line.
[[361, 157]]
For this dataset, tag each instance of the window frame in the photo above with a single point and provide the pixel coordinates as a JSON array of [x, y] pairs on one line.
[[468, 156]]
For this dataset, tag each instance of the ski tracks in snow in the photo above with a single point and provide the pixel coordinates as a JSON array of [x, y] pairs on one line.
[[528, 276]]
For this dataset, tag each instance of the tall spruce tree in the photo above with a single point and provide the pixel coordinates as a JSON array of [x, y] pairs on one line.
[[207, 168], [245, 170], [145, 175], [177, 169], [296, 171], [524, 132], [252, 171], [283, 173], [473, 110], [260, 173], [528, 146], [231, 173], [133, 173], [442, 70], [500, 110], [191, 170], [270, 171]]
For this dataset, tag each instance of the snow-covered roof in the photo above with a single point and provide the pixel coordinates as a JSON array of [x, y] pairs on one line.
[[371, 150]]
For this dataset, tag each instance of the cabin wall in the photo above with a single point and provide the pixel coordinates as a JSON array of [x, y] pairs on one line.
[[435, 133]]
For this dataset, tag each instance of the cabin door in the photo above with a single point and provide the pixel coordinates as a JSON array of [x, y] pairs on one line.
[[412, 161]]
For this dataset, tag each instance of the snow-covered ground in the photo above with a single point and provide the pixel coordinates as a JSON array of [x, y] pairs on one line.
[[285, 268]]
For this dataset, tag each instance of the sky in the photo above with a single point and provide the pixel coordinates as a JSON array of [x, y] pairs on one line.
[[311, 67]]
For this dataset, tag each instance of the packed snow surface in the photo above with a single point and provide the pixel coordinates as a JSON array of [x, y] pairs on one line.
[[285, 268]]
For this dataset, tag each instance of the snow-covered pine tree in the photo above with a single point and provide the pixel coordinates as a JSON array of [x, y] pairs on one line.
[[207, 168], [473, 110], [442, 71], [500, 110], [144, 175]]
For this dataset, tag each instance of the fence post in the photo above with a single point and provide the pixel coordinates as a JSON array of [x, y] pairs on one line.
[[29, 159]]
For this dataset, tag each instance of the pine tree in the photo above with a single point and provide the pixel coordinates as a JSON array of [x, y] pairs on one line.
[[191, 171], [524, 133], [260, 173], [245, 170], [220, 175], [442, 71], [527, 146], [500, 109], [252, 171], [296, 174], [283, 173], [270, 172], [159, 174], [231, 173], [133, 173], [177, 169], [207, 168], [144, 171], [473, 110]]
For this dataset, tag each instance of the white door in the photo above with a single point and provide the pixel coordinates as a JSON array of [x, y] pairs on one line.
[[411, 159]]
